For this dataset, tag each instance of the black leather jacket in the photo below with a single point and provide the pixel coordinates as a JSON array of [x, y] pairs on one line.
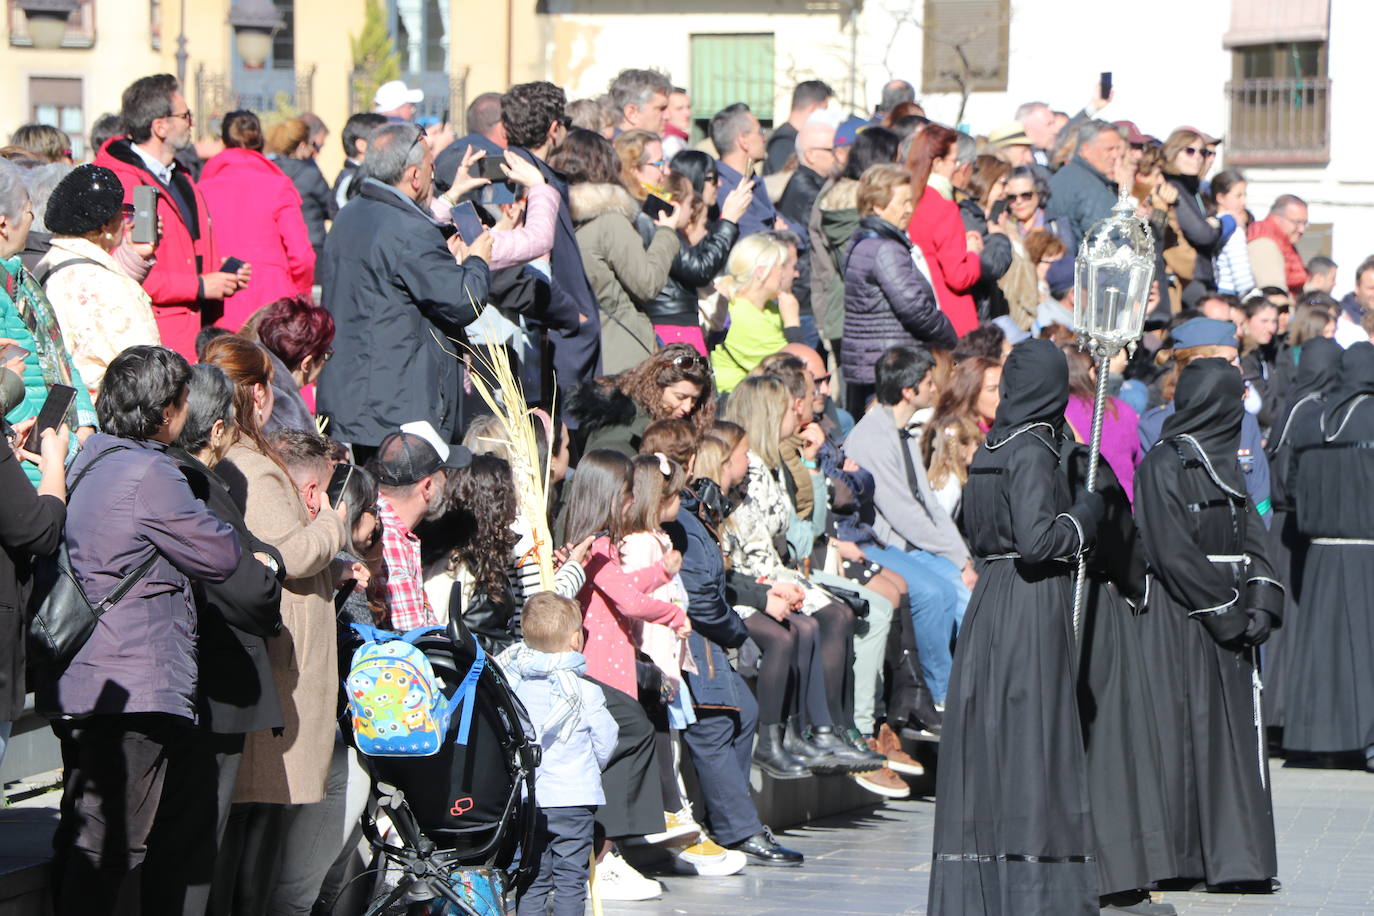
[[694, 267]]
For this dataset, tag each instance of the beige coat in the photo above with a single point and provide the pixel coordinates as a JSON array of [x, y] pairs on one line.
[[622, 271], [291, 768]]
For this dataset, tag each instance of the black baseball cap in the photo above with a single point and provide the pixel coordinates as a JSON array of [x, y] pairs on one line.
[[415, 452]]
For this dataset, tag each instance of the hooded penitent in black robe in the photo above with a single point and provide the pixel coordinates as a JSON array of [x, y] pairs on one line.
[[1317, 373], [1013, 835], [1125, 769], [1212, 597], [1329, 692]]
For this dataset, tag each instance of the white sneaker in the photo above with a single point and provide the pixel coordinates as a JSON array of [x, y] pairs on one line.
[[676, 826], [616, 879], [709, 859]]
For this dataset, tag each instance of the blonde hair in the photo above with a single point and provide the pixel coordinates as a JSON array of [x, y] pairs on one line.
[[758, 404], [547, 621], [1175, 144], [877, 184], [633, 149], [284, 138], [753, 256], [712, 456]]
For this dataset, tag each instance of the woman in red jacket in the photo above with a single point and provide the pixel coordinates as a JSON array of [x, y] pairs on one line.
[[937, 229], [257, 219]]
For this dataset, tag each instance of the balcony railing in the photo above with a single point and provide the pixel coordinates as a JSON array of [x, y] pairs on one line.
[[1279, 122]]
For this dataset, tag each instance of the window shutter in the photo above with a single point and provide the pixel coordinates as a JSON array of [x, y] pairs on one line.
[[965, 41], [732, 68]]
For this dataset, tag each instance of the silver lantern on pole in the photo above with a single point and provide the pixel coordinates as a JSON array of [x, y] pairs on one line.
[[1112, 277]]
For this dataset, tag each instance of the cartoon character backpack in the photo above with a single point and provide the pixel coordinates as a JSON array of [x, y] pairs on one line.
[[398, 705]]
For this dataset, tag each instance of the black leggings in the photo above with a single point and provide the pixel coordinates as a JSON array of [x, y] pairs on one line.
[[775, 687], [825, 660]]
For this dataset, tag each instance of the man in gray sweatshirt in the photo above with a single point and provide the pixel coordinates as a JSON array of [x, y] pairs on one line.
[[922, 543]]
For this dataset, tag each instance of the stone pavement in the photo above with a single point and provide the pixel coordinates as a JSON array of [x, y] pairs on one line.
[[877, 861]]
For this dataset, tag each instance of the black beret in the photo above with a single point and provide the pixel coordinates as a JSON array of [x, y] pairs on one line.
[[87, 199]]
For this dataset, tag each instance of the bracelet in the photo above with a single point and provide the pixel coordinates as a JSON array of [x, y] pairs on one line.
[[809, 464]]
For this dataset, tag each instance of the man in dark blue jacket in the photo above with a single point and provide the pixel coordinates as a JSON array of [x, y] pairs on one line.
[[535, 126], [399, 296]]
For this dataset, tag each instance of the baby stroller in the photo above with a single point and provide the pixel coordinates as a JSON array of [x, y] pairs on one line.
[[463, 816]]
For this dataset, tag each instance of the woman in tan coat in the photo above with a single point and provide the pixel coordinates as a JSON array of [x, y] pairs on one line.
[[288, 768], [625, 268]]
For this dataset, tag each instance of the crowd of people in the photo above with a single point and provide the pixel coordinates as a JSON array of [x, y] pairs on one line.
[[812, 417]]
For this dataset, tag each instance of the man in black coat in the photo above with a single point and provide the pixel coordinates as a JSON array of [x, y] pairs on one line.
[[535, 126], [400, 293], [816, 162]]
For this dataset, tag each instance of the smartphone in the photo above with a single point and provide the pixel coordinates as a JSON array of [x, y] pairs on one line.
[[338, 482], [144, 231], [53, 414], [655, 205], [465, 218], [1104, 89], [444, 119], [11, 352], [231, 265], [489, 167], [998, 209]]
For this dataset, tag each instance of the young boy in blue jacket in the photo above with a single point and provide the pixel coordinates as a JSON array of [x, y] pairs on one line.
[[577, 736]]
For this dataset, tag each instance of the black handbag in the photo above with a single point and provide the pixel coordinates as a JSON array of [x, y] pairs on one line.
[[62, 617]]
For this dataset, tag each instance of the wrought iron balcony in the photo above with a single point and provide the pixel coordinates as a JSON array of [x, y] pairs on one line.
[[1279, 121]]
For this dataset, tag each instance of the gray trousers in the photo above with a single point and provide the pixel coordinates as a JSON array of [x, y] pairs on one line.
[[870, 644], [563, 845]]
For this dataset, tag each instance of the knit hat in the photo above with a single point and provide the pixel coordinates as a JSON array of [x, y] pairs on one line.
[[86, 200]]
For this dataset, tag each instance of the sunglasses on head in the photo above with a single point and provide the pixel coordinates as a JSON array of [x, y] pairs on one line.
[[1013, 196], [690, 361]]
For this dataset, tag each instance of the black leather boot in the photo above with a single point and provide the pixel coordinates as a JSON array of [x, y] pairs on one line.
[[825, 737], [818, 759], [763, 849], [770, 757]]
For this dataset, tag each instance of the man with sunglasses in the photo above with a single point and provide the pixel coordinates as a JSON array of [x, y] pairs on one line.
[[185, 284]]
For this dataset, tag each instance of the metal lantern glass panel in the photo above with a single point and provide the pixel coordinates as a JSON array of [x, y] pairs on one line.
[[1112, 277]]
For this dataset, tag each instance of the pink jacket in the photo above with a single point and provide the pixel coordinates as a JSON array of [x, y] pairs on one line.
[[531, 241], [938, 230], [611, 601], [257, 214]]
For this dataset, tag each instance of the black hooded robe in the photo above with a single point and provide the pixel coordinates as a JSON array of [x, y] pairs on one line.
[[1206, 549], [1013, 835], [1317, 372], [1125, 766], [1329, 692]]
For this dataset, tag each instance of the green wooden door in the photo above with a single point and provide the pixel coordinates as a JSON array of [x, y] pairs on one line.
[[732, 68]]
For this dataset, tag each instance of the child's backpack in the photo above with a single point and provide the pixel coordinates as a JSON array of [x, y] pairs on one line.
[[398, 705]]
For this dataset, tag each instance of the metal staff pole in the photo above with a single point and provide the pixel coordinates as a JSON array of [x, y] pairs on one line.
[[1080, 588]]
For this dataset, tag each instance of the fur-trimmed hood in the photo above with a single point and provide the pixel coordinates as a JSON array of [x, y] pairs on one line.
[[597, 407], [588, 201]]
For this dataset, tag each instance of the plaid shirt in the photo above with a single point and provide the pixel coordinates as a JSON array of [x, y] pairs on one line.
[[401, 575]]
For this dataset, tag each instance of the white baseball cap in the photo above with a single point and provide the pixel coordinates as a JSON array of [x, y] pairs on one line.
[[394, 94]]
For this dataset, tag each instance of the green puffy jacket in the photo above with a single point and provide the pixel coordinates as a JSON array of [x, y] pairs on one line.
[[27, 318]]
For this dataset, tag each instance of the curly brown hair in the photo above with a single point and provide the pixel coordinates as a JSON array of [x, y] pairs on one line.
[[678, 362], [956, 418], [484, 496]]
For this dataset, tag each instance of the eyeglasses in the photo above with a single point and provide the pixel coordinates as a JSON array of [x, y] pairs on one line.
[[1209, 154], [1193, 151], [1014, 196], [183, 114], [566, 121]]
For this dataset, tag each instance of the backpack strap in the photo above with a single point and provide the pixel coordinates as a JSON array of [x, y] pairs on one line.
[[467, 693], [70, 262]]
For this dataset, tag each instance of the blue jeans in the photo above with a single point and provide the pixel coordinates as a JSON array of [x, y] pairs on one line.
[[938, 597]]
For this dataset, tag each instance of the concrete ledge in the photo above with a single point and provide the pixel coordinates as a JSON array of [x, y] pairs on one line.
[[25, 854]]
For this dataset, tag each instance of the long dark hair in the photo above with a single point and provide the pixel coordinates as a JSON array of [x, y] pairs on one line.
[[484, 499], [872, 146], [247, 365], [596, 499], [587, 157], [695, 166]]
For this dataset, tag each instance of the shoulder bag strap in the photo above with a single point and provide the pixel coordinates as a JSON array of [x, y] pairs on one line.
[[43, 280], [131, 578]]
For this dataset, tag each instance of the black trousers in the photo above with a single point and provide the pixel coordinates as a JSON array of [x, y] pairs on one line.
[[185, 842], [634, 798], [249, 860], [721, 743], [114, 769], [563, 846]]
